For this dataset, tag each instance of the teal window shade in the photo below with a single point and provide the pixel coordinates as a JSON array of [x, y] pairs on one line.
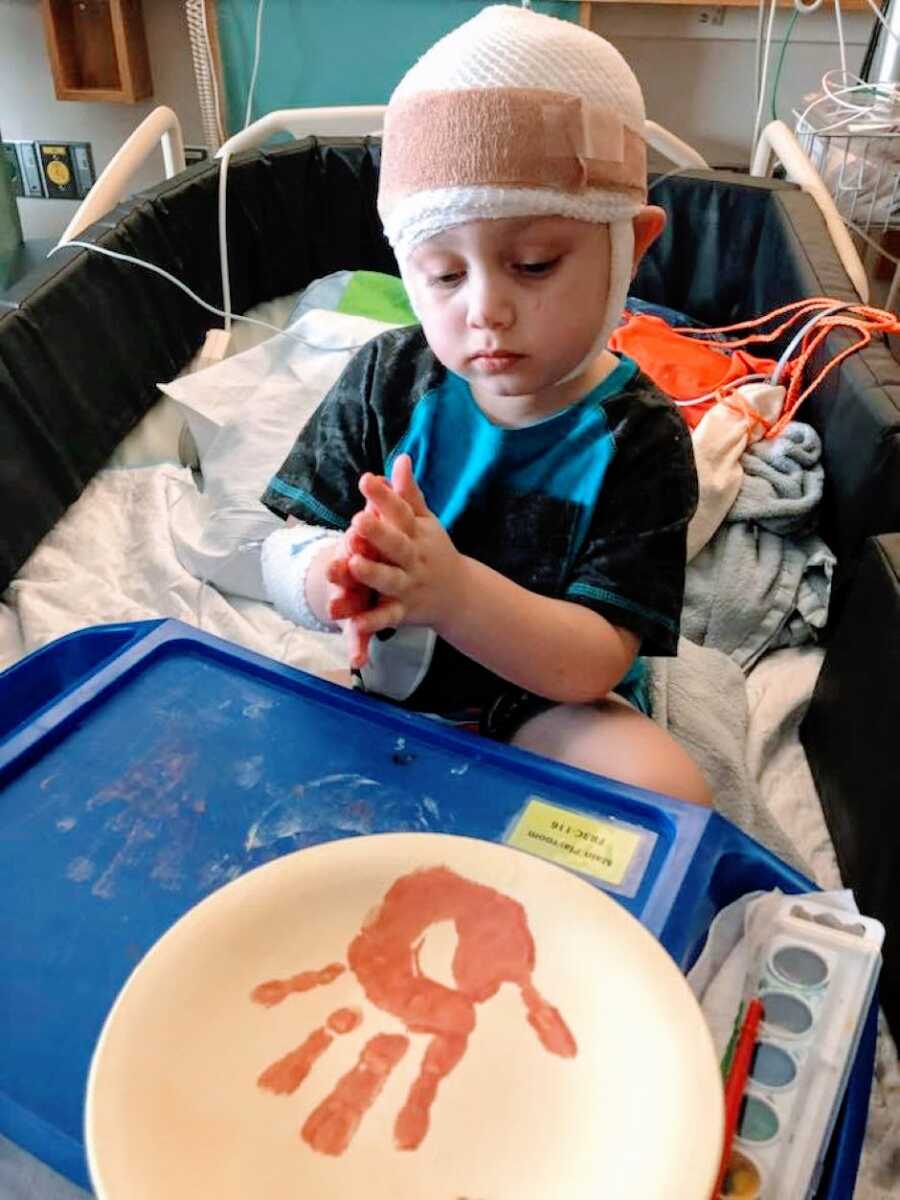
[[326, 52]]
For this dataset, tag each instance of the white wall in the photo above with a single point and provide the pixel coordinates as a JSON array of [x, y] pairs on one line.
[[698, 79], [29, 108]]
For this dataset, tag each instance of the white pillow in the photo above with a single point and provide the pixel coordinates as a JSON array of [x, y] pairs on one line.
[[245, 413]]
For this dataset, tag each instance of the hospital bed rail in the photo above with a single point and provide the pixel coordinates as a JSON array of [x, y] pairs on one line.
[[777, 141], [160, 128]]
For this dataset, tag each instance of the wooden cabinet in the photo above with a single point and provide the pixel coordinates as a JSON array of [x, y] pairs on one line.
[[98, 50]]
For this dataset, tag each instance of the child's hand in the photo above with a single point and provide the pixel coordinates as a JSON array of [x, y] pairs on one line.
[[347, 597], [417, 571]]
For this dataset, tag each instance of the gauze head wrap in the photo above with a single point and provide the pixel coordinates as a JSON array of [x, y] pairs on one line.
[[516, 114]]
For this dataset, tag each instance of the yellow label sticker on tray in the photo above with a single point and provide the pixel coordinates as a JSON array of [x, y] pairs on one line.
[[598, 848]]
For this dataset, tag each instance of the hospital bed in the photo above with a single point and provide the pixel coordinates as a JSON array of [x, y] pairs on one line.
[[85, 341]]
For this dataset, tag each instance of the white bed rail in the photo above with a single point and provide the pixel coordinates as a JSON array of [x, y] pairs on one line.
[[778, 141], [161, 127], [354, 120], [677, 151]]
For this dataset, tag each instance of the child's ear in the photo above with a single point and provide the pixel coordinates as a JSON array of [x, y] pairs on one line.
[[648, 225]]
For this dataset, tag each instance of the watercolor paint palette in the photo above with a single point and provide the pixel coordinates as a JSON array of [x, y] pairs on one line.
[[815, 973], [144, 766]]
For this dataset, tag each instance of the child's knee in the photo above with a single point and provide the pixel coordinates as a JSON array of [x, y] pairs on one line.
[[615, 740]]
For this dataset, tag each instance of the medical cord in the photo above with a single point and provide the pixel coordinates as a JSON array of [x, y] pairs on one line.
[[828, 315], [224, 266], [777, 80], [256, 57], [763, 50], [761, 94], [218, 312]]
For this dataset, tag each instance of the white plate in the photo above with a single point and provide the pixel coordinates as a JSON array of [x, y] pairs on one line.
[[620, 1097]]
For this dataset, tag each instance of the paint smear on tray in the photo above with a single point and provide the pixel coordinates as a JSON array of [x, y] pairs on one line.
[[494, 946], [154, 812]]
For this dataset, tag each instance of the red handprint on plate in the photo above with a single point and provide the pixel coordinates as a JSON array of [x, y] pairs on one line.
[[494, 946]]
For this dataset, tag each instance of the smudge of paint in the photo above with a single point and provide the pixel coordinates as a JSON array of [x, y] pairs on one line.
[[64, 824], [344, 1020], [80, 870], [166, 870], [430, 806], [45, 783], [331, 1126], [459, 770], [279, 821], [215, 874], [150, 802], [275, 990], [332, 800], [248, 771], [494, 946], [256, 708]]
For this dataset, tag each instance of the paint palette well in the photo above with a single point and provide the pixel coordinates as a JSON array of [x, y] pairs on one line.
[[401, 1016]]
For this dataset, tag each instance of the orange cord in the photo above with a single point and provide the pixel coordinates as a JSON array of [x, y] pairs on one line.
[[861, 318]]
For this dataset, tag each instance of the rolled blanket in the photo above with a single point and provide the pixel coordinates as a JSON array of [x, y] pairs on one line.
[[764, 579], [783, 482]]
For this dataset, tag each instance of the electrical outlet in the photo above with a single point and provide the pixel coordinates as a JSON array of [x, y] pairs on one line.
[[711, 16], [29, 171], [15, 174]]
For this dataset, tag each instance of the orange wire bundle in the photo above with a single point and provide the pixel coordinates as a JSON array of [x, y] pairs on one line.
[[636, 337]]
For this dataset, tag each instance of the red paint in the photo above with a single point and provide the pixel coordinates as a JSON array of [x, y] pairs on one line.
[[275, 990], [343, 1020], [494, 946], [332, 1125], [288, 1073]]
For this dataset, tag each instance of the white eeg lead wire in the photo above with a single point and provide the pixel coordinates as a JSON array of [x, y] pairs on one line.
[[256, 58]]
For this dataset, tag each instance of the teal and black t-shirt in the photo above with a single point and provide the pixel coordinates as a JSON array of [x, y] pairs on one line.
[[590, 505]]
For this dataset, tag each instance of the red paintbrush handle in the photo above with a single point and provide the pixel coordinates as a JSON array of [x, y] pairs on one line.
[[736, 1084]]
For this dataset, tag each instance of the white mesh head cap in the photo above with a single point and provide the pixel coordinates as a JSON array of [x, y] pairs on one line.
[[513, 48]]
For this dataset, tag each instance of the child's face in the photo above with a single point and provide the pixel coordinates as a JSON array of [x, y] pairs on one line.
[[513, 305]]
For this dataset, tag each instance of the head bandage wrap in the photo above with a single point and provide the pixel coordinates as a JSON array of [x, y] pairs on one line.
[[516, 114]]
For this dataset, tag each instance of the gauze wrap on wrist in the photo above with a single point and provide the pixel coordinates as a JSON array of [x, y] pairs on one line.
[[287, 555]]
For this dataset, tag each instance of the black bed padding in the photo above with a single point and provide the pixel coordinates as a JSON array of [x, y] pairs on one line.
[[850, 734]]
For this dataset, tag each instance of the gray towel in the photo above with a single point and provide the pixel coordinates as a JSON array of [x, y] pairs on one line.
[[700, 697], [764, 580]]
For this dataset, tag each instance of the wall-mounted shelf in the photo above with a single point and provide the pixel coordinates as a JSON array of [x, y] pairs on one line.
[[98, 50]]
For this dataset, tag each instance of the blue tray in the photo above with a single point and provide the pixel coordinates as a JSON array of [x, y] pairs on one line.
[[144, 765]]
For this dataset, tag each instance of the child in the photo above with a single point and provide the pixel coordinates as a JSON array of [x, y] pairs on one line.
[[493, 502]]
